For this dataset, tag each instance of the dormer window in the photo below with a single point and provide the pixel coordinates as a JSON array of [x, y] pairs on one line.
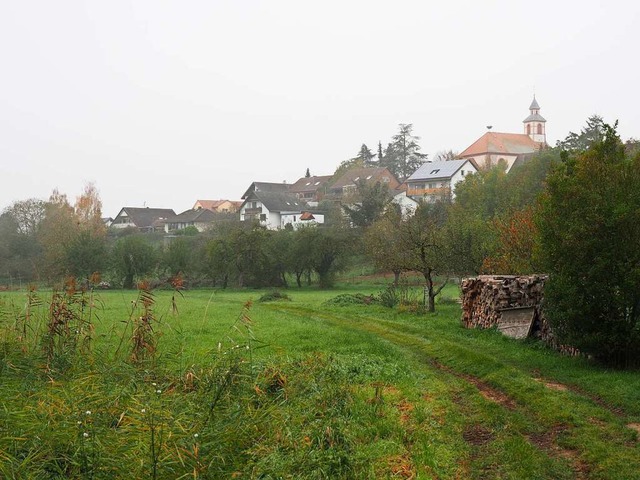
[[369, 177], [356, 179]]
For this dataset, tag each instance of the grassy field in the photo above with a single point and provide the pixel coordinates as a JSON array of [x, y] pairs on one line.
[[230, 387]]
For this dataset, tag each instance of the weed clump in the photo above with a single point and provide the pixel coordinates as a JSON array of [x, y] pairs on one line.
[[275, 296], [347, 299], [398, 295]]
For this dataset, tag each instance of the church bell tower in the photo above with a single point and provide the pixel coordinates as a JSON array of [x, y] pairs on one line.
[[534, 124]]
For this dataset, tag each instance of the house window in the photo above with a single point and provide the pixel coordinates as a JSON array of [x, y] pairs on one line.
[[432, 185], [294, 218], [462, 172], [528, 129], [263, 217], [539, 129]]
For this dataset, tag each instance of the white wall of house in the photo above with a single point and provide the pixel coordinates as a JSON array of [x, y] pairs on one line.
[[408, 205], [294, 219], [487, 161], [273, 221], [122, 221], [466, 169]]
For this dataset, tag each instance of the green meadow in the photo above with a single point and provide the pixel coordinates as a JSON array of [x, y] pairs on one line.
[[207, 384]]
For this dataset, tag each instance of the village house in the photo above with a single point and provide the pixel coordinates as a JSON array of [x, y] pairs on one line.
[[273, 206], [348, 182], [310, 189], [219, 206], [144, 219], [199, 218], [407, 204], [436, 181]]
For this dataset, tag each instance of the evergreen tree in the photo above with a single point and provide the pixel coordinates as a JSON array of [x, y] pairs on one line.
[[403, 156], [593, 132], [369, 203], [365, 155]]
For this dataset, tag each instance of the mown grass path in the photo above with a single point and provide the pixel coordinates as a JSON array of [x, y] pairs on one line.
[[516, 416]]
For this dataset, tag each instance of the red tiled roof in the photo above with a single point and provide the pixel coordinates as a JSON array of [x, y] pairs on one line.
[[496, 142], [211, 204]]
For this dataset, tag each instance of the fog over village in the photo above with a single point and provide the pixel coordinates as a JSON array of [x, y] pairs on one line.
[[163, 104]]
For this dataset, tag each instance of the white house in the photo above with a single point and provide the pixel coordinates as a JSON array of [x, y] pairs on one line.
[[408, 205], [436, 181], [275, 210]]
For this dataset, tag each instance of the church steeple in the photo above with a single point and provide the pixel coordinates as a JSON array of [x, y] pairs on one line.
[[534, 124]]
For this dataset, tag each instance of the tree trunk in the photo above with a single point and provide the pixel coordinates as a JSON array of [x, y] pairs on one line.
[[128, 281], [396, 277]]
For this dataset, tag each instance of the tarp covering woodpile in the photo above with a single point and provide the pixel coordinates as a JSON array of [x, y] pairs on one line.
[[489, 301]]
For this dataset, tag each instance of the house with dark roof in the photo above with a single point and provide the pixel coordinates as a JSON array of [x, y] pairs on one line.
[[201, 218], [495, 148], [347, 183], [310, 189], [276, 209], [436, 181], [144, 219], [264, 187]]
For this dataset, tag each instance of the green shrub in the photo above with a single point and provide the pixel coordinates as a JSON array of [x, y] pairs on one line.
[[275, 296], [400, 294], [347, 299]]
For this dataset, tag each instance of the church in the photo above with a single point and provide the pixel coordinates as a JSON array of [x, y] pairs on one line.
[[510, 149]]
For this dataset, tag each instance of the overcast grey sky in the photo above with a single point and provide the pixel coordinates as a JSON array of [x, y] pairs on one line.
[[165, 102]]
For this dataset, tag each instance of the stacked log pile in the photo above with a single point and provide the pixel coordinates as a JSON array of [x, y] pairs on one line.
[[484, 298]]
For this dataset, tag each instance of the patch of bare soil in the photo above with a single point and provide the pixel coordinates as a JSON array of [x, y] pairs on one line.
[[547, 441], [487, 391], [477, 435], [401, 466], [493, 395], [634, 426], [559, 387], [619, 412], [405, 408]]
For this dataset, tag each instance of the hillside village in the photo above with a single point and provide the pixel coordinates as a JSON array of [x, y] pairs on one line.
[[301, 202]]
